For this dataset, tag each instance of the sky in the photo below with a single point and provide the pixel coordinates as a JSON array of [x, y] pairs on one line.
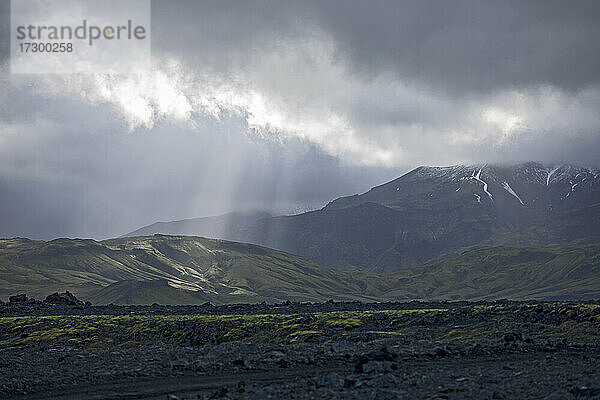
[[285, 105]]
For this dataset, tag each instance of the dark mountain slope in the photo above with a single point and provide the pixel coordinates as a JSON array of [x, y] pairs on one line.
[[434, 212]]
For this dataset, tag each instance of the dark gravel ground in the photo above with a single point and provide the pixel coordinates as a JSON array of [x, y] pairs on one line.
[[495, 350]]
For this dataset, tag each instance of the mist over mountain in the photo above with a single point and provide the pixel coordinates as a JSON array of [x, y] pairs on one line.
[[219, 226]]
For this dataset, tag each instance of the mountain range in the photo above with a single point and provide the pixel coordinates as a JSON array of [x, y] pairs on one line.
[[428, 213], [460, 232]]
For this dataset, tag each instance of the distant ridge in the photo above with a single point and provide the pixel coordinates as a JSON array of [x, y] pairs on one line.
[[215, 226]]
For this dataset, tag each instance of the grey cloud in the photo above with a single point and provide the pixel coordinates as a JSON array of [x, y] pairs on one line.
[[460, 45], [85, 177], [472, 45]]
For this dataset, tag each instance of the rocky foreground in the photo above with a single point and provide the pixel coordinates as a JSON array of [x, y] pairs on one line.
[[61, 348]]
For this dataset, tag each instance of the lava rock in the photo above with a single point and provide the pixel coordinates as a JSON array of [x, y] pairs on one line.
[[585, 391], [378, 356], [378, 367], [441, 352], [342, 347], [559, 395], [219, 394], [246, 348], [331, 381], [66, 298], [19, 298], [381, 394], [512, 337]]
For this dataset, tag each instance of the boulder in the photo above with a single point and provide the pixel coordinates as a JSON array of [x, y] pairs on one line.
[[585, 391], [379, 367], [330, 381], [512, 337], [66, 298], [19, 298], [382, 359]]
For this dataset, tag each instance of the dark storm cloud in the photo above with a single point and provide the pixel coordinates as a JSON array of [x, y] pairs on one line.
[[472, 45], [458, 45], [412, 70]]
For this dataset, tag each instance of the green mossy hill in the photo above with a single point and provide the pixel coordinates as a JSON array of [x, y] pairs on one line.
[[196, 270], [192, 270], [560, 272]]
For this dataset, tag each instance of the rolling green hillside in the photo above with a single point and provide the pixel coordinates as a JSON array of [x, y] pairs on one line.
[[194, 270], [214, 270], [559, 272]]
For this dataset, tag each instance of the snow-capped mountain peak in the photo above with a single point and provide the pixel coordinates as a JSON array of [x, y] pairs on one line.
[[527, 185]]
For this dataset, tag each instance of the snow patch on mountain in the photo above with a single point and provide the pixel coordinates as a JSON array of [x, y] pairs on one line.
[[510, 190], [550, 173], [477, 177]]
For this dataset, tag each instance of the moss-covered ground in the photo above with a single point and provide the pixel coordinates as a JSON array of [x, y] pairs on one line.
[[579, 322]]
